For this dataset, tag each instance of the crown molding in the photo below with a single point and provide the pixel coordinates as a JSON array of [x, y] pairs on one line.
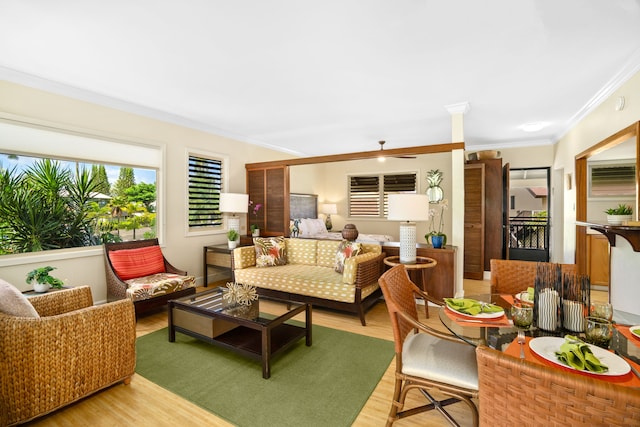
[[458, 108], [628, 70], [41, 83]]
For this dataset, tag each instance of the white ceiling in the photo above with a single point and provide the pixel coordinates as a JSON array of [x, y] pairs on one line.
[[331, 76]]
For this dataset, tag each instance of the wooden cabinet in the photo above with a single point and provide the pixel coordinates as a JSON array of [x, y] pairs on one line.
[[270, 188], [484, 191], [441, 278], [474, 221], [598, 259]]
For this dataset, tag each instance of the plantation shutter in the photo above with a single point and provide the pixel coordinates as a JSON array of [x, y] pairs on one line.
[[368, 194], [205, 186], [364, 196], [400, 183]]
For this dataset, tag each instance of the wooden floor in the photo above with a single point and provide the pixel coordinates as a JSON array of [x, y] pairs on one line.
[[143, 403]]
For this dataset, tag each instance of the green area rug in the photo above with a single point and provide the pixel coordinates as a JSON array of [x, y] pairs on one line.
[[326, 384]]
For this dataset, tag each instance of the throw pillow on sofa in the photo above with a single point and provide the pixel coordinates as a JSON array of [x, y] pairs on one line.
[[270, 251], [346, 250]]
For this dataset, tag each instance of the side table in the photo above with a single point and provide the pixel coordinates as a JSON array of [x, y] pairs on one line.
[[218, 257], [421, 265]]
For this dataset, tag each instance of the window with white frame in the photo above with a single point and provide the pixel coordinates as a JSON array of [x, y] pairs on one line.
[[63, 190], [368, 194]]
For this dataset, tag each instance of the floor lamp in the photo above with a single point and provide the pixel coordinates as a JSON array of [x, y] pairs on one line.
[[408, 208], [234, 203]]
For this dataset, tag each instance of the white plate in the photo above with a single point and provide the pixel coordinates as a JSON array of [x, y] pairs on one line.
[[546, 348], [524, 297], [635, 328], [479, 315]]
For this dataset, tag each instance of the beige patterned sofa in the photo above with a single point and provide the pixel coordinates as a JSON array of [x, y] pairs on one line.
[[309, 275]]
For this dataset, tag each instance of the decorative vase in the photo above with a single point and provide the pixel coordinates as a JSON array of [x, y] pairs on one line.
[[435, 194], [232, 244], [618, 219], [41, 287], [256, 232], [437, 241], [350, 232]]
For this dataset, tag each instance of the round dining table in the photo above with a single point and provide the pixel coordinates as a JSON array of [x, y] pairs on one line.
[[500, 333]]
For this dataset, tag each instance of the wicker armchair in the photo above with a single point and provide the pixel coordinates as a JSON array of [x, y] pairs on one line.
[[426, 359], [73, 350], [516, 392], [182, 284], [513, 276]]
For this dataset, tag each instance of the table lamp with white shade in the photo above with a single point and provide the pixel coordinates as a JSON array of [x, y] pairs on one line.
[[234, 203], [408, 208], [328, 209]]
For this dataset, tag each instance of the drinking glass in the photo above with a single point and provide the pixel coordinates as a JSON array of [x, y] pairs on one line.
[[603, 310], [598, 331], [522, 316]]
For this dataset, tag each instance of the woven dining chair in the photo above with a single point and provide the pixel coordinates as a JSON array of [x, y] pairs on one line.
[[512, 276], [426, 359], [518, 392]]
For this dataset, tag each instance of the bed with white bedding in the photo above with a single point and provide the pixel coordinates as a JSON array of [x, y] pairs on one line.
[[314, 228]]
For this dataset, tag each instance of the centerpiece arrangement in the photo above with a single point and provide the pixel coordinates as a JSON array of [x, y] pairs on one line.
[[238, 293]]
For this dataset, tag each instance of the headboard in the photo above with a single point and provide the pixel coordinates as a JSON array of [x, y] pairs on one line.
[[303, 205]]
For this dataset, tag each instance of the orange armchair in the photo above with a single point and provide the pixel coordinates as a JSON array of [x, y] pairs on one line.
[[138, 270]]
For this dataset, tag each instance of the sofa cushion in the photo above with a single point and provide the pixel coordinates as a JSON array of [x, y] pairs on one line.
[[327, 253], [14, 303], [140, 262], [300, 279], [141, 288], [270, 251], [347, 249], [301, 251]]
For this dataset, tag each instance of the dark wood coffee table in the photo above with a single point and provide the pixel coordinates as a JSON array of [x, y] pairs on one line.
[[242, 329]]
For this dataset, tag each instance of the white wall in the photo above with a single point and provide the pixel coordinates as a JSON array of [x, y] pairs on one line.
[[601, 123], [85, 266]]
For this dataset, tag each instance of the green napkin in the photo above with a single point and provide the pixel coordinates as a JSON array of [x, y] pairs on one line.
[[471, 306], [575, 353]]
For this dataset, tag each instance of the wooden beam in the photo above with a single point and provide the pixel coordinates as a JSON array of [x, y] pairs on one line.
[[408, 151]]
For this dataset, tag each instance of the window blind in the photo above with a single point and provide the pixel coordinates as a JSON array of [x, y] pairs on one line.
[[205, 186], [368, 194]]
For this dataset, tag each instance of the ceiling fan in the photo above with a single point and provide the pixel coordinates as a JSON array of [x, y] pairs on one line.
[[382, 155]]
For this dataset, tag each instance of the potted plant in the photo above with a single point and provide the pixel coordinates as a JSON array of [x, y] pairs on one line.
[[255, 229], [42, 281], [616, 216], [436, 227], [232, 238]]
